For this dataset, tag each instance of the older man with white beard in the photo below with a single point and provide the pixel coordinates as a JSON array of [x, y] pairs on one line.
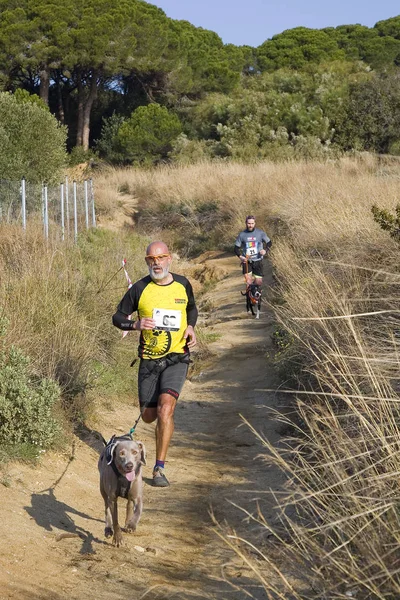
[[167, 315]]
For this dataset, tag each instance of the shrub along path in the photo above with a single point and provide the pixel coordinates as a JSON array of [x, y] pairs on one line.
[[213, 462]]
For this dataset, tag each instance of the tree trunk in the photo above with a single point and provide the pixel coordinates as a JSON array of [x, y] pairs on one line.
[[79, 129], [44, 75], [60, 104], [87, 111]]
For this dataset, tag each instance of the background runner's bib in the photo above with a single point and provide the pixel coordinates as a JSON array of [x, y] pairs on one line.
[[251, 249]]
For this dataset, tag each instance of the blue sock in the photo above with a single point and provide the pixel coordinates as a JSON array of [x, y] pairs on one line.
[[160, 463]]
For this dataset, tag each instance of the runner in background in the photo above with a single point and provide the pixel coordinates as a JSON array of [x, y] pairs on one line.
[[251, 246]]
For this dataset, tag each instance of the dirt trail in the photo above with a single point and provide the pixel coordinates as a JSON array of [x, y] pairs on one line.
[[212, 460]]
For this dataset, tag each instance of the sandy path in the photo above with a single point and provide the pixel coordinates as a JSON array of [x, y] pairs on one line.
[[213, 458]]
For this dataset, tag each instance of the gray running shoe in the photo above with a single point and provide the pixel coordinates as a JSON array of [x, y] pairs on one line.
[[159, 479]]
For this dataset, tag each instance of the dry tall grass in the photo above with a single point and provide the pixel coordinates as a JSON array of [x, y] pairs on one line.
[[343, 463], [321, 201], [58, 306]]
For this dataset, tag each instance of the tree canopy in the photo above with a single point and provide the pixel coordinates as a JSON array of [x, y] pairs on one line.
[[99, 60]]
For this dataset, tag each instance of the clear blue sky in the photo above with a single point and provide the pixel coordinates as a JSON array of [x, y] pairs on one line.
[[251, 22]]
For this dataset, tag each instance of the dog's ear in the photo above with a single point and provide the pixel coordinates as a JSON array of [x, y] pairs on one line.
[[110, 449], [142, 452]]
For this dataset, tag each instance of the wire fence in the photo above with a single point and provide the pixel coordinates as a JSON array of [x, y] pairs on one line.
[[67, 208]]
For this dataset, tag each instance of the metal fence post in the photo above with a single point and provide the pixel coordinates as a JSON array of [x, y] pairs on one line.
[[67, 204], [62, 211], [75, 214], [92, 202], [23, 203], [22, 200], [86, 204]]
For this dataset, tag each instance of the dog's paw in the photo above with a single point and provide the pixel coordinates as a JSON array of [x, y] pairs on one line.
[[130, 528], [108, 532], [117, 539]]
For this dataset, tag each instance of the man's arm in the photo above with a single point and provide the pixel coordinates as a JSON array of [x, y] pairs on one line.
[[192, 314], [122, 322], [125, 308], [266, 241], [238, 250], [191, 308]]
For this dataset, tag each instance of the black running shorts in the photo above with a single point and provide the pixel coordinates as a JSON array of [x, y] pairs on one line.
[[155, 378], [255, 268]]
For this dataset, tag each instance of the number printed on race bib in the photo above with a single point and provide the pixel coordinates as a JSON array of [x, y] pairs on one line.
[[251, 251], [167, 320]]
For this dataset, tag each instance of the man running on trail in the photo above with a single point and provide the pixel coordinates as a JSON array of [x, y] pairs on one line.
[[167, 315], [249, 247]]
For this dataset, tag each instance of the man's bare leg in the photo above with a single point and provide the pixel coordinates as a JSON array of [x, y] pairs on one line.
[[164, 413], [165, 424]]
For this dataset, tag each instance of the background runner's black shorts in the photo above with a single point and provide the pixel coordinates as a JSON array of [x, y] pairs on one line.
[[152, 382], [254, 267]]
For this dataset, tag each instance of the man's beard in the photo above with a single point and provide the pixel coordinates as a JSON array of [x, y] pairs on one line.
[[158, 276]]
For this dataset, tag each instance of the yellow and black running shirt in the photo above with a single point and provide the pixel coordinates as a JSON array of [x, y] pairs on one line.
[[173, 308]]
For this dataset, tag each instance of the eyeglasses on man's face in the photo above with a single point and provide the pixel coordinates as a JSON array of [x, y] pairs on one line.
[[151, 258]]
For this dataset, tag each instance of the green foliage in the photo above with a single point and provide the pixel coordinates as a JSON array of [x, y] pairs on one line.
[[276, 116], [300, 47], [148, 134], [25, 402], [297, 47], [185, 151], [32, 142], [369, 45], [79, 155], [282, 340], [388, 221], [372, 117], [204, 64], [24, 96], [109, 145], [109, 58]]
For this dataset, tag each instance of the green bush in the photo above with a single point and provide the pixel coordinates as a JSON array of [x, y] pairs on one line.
[[109, 145], [32, 142], [147, 135], [187, 152], [79, 155], [387, 221], [25, 402]]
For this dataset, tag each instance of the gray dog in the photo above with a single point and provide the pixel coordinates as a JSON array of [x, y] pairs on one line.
[[120, 467]]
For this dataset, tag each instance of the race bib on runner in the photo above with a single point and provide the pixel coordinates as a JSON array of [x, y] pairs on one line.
[[167, 320], [251, 250]]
